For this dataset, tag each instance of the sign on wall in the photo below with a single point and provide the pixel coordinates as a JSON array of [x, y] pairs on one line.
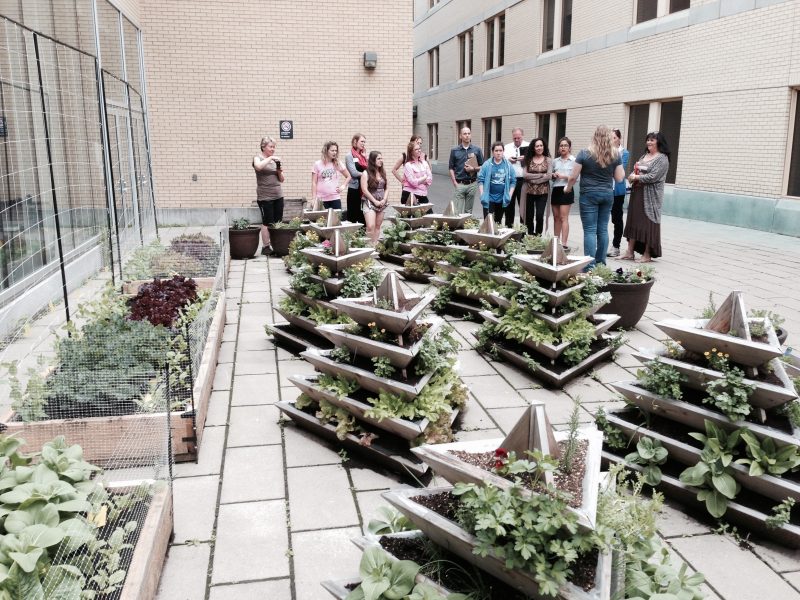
[[287, 130]]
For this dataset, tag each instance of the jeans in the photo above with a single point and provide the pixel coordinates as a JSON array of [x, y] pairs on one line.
[[595, 209], [534, 211], [616, 219]]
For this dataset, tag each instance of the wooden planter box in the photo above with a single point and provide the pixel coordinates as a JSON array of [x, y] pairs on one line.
[[555, 297], [144, 571], [326, 233], [472, 237], [102, 437], [337, 264], [765, 395], [308, 300], [454, 470], [453, 223], [694, 416], [492, 297], [362, 311], [404, 210], [452, 537], [776, 488], [548, 272], [738, 514], [403, 463]]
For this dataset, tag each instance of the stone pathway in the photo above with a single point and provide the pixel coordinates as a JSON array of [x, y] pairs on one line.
[[268, 511]]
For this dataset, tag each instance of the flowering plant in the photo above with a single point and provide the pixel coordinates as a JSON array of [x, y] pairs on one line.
[[635, 275], [327, 247]]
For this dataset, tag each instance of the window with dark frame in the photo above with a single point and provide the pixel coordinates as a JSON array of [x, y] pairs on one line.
[[433, 67], [670, 128], [433, 141], [548, 30], [459, 126], [646, 10], [543, 126], [465, 51], [566, 22], [501, 45], [471, 52], [793, 188], [561, 125], [676, 5], [638, 115], [489, 44], [492, 128]]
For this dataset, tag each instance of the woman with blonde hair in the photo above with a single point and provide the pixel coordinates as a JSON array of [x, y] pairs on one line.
[[325, 177], [399, 167], [269, 195], [598, 166]]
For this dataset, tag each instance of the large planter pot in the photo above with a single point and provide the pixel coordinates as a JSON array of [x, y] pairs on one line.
[[280, 238], [243, 242], [629, 301]]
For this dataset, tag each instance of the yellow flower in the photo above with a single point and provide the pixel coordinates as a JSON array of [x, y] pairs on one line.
[[727, 355], [713, 349], [706, 353]]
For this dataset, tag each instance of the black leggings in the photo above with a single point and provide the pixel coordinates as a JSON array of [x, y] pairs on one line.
[[354, 212], [271, 211], [497, 211], [535, 205], [405, 195], [616, 219]]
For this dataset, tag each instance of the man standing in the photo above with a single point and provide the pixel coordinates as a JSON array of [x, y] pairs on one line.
[[465, 160], [514, 153]]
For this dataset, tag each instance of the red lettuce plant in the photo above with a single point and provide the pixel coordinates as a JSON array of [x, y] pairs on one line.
[[161, 300]]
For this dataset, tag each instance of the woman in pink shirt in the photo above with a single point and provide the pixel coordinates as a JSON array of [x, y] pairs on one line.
[[417, 174], [325, 177]]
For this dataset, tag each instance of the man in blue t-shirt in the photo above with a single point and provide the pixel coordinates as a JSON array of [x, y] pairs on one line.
[[496, 182]]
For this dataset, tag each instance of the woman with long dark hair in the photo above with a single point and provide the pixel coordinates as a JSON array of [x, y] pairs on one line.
[[537, 169], [375, 196], [643, 229]]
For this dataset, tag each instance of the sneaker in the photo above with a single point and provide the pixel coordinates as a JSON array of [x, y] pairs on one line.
[[266, 250], [613, 253]]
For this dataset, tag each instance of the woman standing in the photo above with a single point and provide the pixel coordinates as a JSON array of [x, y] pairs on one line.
[[643, 229], [619, 194], [598, 167], [537, 170], [496, 181], [373, 190], [397, 171], [417, 175], [560, 201], [325, 177], [269, 195], [356, 164]]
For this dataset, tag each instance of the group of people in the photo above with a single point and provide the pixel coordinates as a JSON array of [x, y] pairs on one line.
[[519, 173], [525, 174]]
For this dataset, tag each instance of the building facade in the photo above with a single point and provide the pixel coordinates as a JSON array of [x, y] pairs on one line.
[[719, 78]]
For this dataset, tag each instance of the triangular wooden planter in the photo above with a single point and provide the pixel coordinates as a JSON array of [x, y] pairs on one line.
[[555, 297], [549, 272], [337, 264], [363, 311], [453, 537]]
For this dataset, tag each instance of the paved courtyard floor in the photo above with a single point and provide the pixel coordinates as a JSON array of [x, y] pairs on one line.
[[268, 511]]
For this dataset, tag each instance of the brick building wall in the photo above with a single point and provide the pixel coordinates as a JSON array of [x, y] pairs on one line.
[[221, 75]]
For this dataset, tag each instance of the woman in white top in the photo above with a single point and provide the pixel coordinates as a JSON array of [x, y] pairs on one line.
[[559, 200]]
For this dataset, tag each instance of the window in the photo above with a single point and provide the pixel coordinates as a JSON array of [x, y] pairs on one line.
[[459, 126], [662, 116], [793, 188], [561, 127], [432, 3], [557, 24], [495, 41], [433, 141], [551, 127], [671, 128], [492, 131], [647, 10], [543, 126], [465, 51], [433, 67]]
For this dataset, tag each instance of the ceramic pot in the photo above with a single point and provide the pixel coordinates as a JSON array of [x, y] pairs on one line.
[[280, 238], [243, 242]]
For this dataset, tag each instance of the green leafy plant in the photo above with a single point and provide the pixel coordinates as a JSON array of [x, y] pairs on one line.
[[295, 258], [613, 437], [710, 309], [439, 396], [383, 366], [571, 447], [341, 355], [729, 394], [303, 283], [360, 279], [519, 323], [239, 224], [294, 223], [324, 272], [781, 514], [443, 296], [649, 454], [325, 316], [389, 520], [436, 351], [337, 384], [580, 333], [713, 474], [766, 457], [293, 307], [662, 379], [344, 422]]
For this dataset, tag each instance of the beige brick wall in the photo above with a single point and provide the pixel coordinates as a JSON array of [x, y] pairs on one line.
[[734, 74], [221, 75], [592, 18]]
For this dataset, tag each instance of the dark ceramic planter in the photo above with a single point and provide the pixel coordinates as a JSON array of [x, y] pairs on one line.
[[243, 242], [782, 335], [629, 301], [280, 238]]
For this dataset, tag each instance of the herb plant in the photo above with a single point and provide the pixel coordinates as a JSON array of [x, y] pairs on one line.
[[303, 283], [649, 454], [613, 437], [765, 457], [383, 366], [781, 514], [662, 379], [436, 352], [337, 385], [360, 279], [160, 301], [239, 224], [729, 394], [571, 447], [580, 333]]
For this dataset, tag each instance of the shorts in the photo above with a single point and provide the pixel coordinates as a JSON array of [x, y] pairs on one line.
[[366, 206], [559, 198], [271, 211], [404, 198], [334, 204]]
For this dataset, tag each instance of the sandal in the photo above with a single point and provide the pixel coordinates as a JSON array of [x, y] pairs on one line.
[[644, 260], [626, 258]]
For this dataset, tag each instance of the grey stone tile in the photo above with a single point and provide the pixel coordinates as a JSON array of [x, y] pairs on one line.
[[218, 404], [369, 503], [251, 390], [230, 332], [311, 509], [226, 352], [673, 522], [255, 362], [252, 542], [778, 557], [305, 449], [185, 572], [473, 363], [253, 473], [516, 378], [321, 555], [588, 390], [223, 376], [492, 391], [366, 478], [794, 580], [478, 434], [232, 316], [209, 460], [734, 573], [558, 405], [290, 393], [260, 590], [293, 367], [254, 426], [195, 501], [256, 309], [475, 417], [257, 340]]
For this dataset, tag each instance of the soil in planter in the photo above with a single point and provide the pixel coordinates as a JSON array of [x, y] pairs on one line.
[[447, 569], [560, 365], [447, 505], [410, 338], [571, 483], [763, 375], [366, 364]]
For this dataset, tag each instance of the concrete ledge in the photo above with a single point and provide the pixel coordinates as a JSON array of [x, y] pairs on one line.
[[205, 216], [787, 217]]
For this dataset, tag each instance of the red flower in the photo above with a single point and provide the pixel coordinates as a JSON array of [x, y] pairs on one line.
[[638, 273], [499, 464], [501, 453]]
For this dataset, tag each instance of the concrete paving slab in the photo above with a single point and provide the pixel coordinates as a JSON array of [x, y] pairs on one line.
[[289, 393], [195, 501], [229, 332], [304, 449], [320, 555], [260, 590], [257, 341], [588, 390], [311, 509], [185, 572], [472, 363], [253, 473], [475, 417], [370, 478], [778, 557], [673, 522], [255, 362], [218, 405], [252, 542], [288, 368], [209, 460], [226, 352], [732, 572], [794, 580], [492, 391], [223, 377], [478, 434], [516, 378], [254, 426], [249, 390], [557, 404]]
